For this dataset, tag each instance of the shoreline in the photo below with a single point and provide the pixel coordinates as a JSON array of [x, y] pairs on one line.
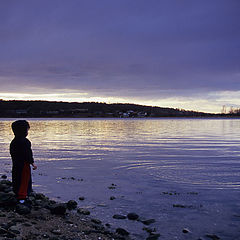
[[48, 219]]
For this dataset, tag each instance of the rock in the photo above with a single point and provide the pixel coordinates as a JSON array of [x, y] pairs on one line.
[[4, 176], [56, 231], [118, 216], [97, 221], [185, 230], [5, 188], [71, 204], [22, 209], [40, 196], [8, 233], [2, 230], [113, 186], [7, 182], [83, 211], [2, 215], [149, 230], [15, 229], [132, 216], [45, 236], [7, 199], [27, 224], [153, 236], [122, 231], [112, 198], [81, 198], [148, 222], [58, 209], [213, 236]]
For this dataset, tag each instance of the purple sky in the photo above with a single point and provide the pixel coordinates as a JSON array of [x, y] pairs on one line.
[[160, 52]]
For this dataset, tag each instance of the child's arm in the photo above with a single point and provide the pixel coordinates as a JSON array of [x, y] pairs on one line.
[[34, 166]]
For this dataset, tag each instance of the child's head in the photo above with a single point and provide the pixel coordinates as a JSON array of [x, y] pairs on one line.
[[20, 128]]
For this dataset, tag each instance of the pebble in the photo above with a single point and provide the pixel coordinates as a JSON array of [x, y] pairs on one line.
[[153, 236], [83, 211], [40, 196], [185, 230], [4, 176], [56, 231], [213, 236], [148, 222], [97, 221], [112, 198], [45, 236], [15, 229], [71, 204], [118, 216], [22, 209], [132, 216], [7, 199], [27, 224], [122, 231], [149, 230], [59, 209], [81, 198]]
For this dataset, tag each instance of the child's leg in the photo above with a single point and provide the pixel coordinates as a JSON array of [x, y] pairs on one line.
[[25, 177]]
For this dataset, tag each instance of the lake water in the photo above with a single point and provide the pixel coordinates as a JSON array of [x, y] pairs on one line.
[[149, 165]]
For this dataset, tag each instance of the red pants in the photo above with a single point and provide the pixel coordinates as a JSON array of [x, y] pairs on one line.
[[25, 178]]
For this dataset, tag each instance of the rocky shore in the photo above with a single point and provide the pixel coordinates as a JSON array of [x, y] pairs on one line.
[[42, 218]]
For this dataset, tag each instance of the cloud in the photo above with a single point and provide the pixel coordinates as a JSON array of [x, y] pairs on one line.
[[126, 49]]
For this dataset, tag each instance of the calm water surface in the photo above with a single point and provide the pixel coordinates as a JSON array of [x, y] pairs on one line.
[[143, 157]]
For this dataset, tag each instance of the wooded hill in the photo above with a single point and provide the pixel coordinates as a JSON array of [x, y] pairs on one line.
[[88, 109]]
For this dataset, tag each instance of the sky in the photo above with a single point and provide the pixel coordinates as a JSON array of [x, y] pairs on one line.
[[167, 53]]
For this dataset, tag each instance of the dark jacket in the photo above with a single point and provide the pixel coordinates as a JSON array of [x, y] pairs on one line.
[[20, 150], [21, 153]]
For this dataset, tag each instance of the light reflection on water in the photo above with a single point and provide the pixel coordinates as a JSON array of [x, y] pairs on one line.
[[202, 152]]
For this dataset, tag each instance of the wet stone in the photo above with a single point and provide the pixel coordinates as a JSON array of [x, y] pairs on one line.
[[56, 232], [7, 199], [15, 229], [58, 209], [149, 230], [45, 236], [22, 209], [71, 204], [122, 231], [7, 182], [185, 230], [40, 196], [81, 198], [83, 211], [97, 221], [148, 222], [118, 216], [132, 216], [153, 236], [212, 236]]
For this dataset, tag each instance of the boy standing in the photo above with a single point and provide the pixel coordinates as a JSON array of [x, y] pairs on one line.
[[22, 158]]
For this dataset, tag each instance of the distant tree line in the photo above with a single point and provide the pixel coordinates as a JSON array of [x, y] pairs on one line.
[[89, 109]]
